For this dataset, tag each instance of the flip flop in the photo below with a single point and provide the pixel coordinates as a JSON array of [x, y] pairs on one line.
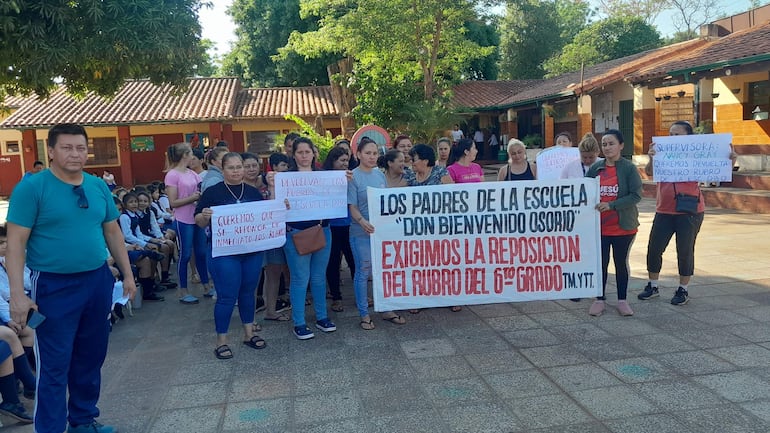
[[367, 325], [223, 352], [456, 308], [189, 299], [256, 342], [396, 320], [279, 318]]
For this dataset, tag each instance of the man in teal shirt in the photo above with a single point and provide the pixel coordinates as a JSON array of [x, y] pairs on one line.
[[60, 221]]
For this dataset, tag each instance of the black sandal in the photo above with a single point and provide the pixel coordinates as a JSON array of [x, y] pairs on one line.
[[223, 352], [256, 342]]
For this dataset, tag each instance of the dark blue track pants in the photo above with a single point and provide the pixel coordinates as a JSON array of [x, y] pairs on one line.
[[70, 345]]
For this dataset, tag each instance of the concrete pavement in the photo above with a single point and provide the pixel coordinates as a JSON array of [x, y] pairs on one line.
[[525, 367]]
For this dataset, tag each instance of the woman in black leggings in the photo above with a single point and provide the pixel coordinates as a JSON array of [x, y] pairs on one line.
[[620, 189]]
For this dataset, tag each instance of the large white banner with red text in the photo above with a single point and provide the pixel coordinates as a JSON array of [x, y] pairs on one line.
[[482, 243]]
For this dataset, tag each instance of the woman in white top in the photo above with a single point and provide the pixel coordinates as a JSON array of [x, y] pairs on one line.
[[589, 154]]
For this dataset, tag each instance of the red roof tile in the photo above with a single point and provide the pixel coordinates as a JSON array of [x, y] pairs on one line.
[[138, 101], [482, 94], [598, 75], [742, 44], [279, 101]]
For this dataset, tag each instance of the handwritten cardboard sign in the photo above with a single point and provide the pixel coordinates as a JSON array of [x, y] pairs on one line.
[[313, 195], [248, 227], [484, 243], [700, 158], [551, 162]]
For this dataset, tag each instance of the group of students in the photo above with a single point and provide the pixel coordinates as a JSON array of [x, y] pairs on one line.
[[236, 178], [16, 348]]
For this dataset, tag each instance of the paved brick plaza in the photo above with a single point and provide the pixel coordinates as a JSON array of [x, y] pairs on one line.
[[527, 367]]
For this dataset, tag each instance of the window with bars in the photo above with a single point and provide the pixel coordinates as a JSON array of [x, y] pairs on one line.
[[102, 151]]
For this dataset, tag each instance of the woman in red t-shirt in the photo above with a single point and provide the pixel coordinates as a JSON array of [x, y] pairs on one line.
[[620, 189]]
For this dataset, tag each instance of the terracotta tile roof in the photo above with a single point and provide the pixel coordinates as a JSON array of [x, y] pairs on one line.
[[138, 101], [598, 75], [743, 44], [482, 94], [277, 102], [15, 101]]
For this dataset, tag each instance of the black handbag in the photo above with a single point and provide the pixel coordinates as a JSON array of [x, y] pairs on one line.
[[686, 203]]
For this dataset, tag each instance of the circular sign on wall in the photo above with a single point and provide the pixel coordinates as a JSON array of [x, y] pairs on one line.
[[374, 132]]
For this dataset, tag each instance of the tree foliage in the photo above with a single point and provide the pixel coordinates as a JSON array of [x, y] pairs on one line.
[[207, 67], [94, 45], [605, 40], [324, 142], [532, 31], [262, 27], [648, 10], [483, 31], [404, 51]]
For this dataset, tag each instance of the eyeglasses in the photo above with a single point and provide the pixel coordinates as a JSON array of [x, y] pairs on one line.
[[81, 193]]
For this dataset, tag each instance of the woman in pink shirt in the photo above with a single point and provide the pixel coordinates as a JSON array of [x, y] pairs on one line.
[[182, 187], [461, 167]]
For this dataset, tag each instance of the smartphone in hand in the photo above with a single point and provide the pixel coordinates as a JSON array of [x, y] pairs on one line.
[[34, 318]]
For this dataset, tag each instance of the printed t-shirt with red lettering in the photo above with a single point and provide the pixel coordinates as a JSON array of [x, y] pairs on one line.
[[608, 192]]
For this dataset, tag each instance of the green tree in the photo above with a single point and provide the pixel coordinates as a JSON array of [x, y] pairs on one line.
[[404, 51], [262, 27], [605, 40], [532, 31], [483, 32], [95, 45], [648, 10], [208, 66]]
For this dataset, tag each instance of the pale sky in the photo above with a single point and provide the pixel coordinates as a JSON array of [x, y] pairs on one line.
[[218, 27]]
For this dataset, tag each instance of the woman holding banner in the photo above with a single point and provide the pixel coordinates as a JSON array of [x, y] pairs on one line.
[[518, 168], [620, 189], [461, 167], [338, 159], [365, 175], [669, 222], [424, 169], [235, 276], [426, 172], [589, 154], [392, 164], [310, 267]]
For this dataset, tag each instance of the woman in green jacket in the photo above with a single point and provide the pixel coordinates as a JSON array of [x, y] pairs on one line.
[[620, 189]]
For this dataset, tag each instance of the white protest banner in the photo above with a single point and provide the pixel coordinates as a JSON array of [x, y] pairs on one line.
[[481, 243], [247, 227], [313, 195], [694, 158], [551, 161]]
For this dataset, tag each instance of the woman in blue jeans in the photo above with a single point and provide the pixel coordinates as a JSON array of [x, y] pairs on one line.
[[309, 267], [182, 188], [236, 275], [365, 175]]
